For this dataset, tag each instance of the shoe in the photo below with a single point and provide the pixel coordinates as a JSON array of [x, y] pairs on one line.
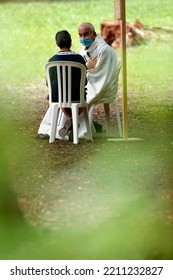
[[70, 139], [98, 126], [43, 136], [67, 126]]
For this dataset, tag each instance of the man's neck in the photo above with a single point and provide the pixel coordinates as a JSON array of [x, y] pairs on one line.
[[64, 49]]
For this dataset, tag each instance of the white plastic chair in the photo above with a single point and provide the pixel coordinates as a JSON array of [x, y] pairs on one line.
[[107, 109], [64, 79]]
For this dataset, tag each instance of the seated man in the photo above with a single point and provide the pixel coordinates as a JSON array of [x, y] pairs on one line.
[[102, 83], [102, 79], [63, 41]]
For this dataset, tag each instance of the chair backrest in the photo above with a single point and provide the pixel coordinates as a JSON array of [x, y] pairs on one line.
[[118, 68], [64, 73]]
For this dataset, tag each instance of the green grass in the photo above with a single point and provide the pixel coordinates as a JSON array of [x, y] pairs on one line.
[[27, 30], [103, 200], [155, 13]]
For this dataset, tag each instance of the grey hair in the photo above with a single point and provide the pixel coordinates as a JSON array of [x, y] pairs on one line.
[[89, 25]]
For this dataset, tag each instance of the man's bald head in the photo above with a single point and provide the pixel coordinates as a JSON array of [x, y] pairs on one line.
[[88, 26]]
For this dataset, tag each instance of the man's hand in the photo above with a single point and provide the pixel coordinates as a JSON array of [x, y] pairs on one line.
[[91, 63]]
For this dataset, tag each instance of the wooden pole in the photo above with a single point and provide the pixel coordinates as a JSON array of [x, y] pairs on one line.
[[120, 14], [124, 69]]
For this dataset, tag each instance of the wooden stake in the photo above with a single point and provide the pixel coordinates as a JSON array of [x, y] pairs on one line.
[[120, 14], [124, 68]]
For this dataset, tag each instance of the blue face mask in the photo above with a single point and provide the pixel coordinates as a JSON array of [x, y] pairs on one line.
[[86, 41]]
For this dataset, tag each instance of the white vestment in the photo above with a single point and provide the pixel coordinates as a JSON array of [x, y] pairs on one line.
[[102, 83], [101, 87]]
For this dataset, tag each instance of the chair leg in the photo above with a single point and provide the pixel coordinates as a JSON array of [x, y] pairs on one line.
[[118, 118], [75, 124], [107, 116], [90, 115], [55, 112], [88, 124]]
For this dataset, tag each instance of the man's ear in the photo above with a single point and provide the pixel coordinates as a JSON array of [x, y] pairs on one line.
[[94, 35]]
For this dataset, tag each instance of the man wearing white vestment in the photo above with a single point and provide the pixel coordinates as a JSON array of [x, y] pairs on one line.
[[102, 84]]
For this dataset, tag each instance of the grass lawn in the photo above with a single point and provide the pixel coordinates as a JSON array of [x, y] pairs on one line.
[[101, 200]]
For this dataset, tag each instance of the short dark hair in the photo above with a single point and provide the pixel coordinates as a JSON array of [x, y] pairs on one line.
[[63, 39]]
